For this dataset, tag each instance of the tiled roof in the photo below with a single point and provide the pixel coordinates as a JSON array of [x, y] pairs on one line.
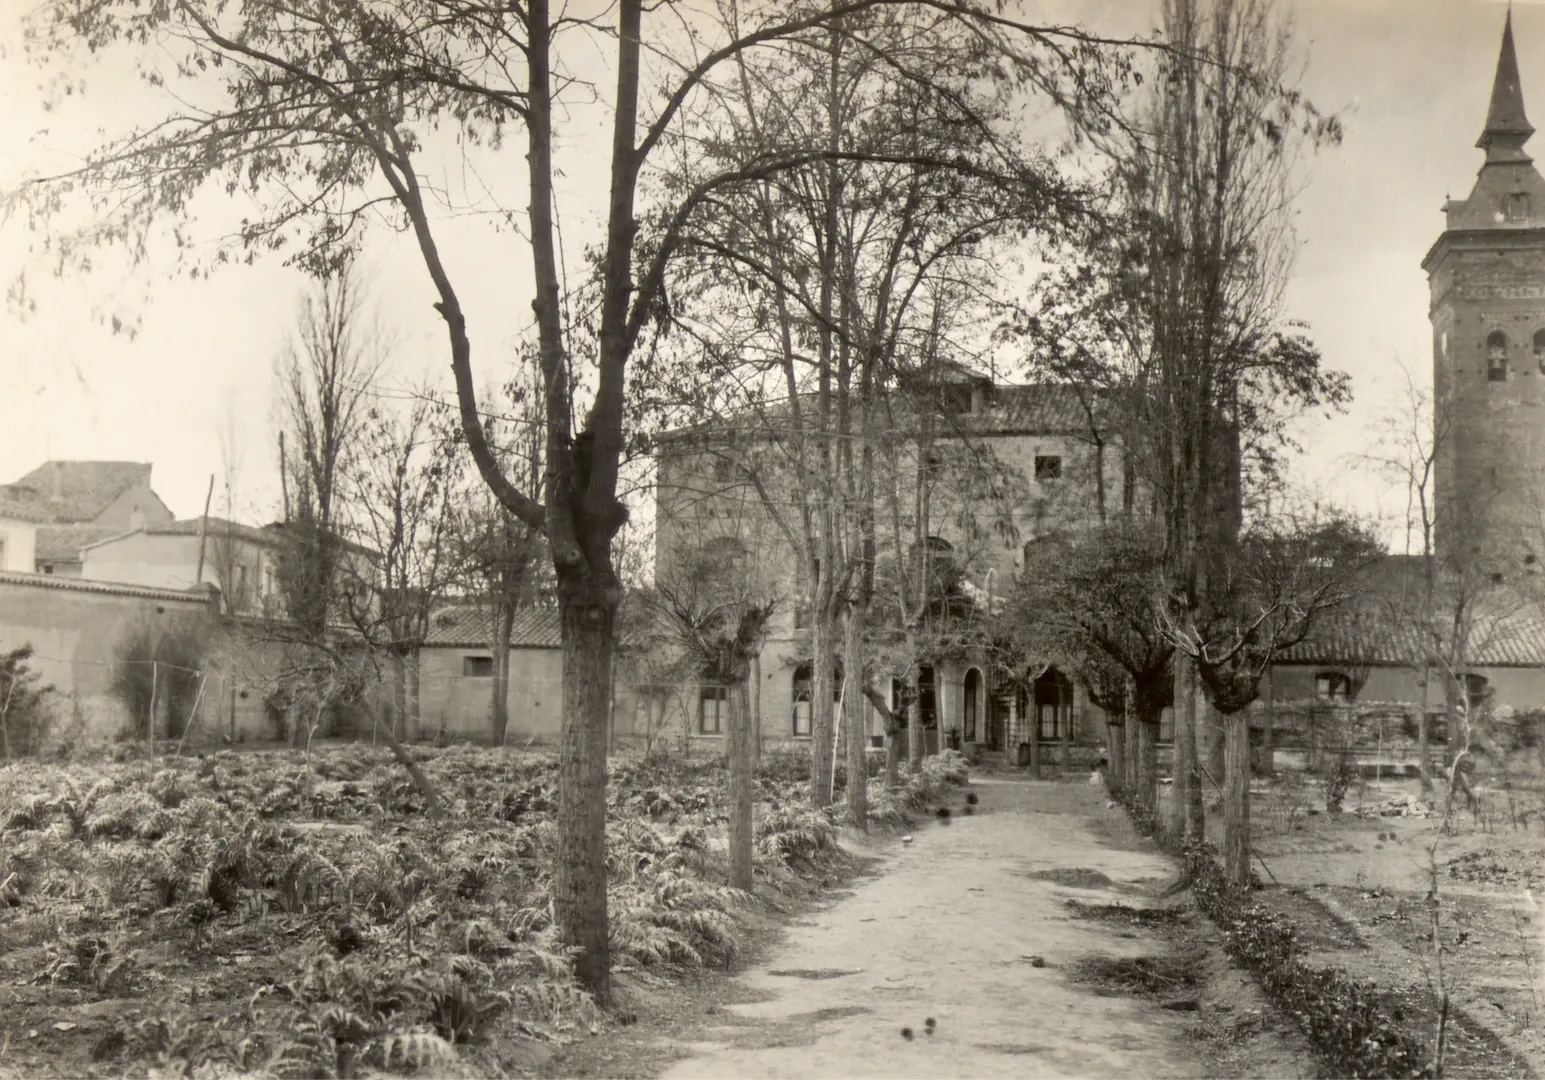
[[1379, 628], [63, 543], [471, 626], [85, 488], [1040, 408], [216, 527], [21, 506]]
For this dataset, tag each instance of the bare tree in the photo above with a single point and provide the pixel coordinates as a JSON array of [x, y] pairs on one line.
[[323, 113], [326, 373], [401, 493], [1191, 288]]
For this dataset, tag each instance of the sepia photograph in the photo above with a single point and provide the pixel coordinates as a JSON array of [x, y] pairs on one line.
[[693, 539]]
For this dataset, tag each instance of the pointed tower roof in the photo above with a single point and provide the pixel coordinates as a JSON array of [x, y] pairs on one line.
[[1507, 128]]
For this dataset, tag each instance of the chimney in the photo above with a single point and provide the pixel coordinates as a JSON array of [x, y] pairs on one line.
[[58, 471]]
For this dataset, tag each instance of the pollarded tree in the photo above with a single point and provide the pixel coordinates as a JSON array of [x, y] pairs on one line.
[[1285, 576], [1091, 598], [716, 604], [1181, 292], [329, 115]]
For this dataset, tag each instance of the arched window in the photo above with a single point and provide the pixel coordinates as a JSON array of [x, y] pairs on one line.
[[1539, 349], [1334, 687], [1496, 356], [1053, 705], [972, 701]]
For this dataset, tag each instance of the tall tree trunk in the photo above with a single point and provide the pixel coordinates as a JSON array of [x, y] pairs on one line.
[[893, 743], [1269, 733], [1148, 763], [1201, 783], [1133, 776], [1184, 745], [742, 784], [1115, 754], [857, 710], [822, 724], [1211, 725], [1423, 733], [588, 609], [1236, 798], [1067, 742], [915, 734], [756, 711], [410, 692], [504, 622]]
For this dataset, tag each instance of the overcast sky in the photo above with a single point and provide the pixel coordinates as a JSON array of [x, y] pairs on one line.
[[1411, 77]]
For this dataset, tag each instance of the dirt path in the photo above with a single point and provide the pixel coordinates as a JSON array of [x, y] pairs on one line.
[[946, 931]]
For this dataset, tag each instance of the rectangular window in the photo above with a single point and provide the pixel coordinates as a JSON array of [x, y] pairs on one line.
[[1048, 467], [1053, 721], [1333, 686], [713, 710], [802, 714], [3, 565], [477, 667]]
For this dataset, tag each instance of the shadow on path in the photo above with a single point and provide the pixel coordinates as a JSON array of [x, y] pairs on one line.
[[968, 927]]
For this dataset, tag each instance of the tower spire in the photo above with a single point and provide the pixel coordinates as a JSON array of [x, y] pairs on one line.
[[1507, 128]]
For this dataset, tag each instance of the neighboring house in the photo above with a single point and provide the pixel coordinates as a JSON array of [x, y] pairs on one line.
[[1054, 469], [60, 548], [240, 560], [1356, 682], [76, 503], [18, 535], [456, 674], [456, 677]]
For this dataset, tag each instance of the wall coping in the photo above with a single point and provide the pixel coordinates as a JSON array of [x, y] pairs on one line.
[[111, 588]]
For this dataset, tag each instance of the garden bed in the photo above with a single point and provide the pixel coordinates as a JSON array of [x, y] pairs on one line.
[[269, 913]]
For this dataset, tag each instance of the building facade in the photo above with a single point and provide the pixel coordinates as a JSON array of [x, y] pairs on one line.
[[1007, 465], [75, 503]]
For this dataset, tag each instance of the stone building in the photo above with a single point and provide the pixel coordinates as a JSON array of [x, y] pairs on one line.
[[1015, 463]]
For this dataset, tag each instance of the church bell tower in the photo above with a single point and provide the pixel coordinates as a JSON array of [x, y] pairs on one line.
[[1487, 278]]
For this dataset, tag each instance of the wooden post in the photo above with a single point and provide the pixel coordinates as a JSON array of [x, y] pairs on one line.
[[150, 721], [203, 531]]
